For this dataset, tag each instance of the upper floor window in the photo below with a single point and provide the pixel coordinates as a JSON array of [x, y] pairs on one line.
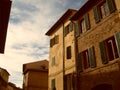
[[54, 40], [53, 61], [68, 28], [86, 59], [103, 9], [68, 52], [83, 25], [109, 48]]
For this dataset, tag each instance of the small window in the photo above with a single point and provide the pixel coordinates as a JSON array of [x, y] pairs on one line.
[[68, 28], [53, 61], [54, 40], [68, 53], [53, 84]]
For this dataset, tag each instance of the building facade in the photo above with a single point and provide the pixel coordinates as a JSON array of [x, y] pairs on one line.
[[4, 76], [35, 75], [62, 53], [98, 45], [5, 7]]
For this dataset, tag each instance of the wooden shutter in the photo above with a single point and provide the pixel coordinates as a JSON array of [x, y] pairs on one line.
[[96, 14], [92, 57], [79, 62], [117, 39], [71, 27], [53, 84], [56, 39], [111, 5], [87, 22], [64, 31], [5, 7], [103, 52], [77, 32]]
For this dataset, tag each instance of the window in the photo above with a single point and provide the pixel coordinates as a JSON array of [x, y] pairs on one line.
[[54, 40], [103, 9], [68, 53], [86, 59], [53, 84], [83, 27], [69, 82], [109, 50], [68, 29], [53, 61]]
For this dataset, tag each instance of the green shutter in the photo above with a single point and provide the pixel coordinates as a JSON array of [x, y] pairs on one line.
[[79, 62], [103, 52], [64, 31], [92, 57], [53, 84], [56, 39], [87, 22], [71, 27], [96, 14], [117, 39], [111, 5], [77, 33]]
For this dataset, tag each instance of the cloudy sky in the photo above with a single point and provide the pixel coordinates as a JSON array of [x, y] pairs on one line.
[[26, 40]]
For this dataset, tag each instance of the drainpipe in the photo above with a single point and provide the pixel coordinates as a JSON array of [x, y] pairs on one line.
[[63, 56]]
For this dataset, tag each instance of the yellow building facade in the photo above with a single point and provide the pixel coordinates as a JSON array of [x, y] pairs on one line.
[[62, 53], [98, 45]]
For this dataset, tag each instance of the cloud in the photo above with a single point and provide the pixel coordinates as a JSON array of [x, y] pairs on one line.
[[26, 40]]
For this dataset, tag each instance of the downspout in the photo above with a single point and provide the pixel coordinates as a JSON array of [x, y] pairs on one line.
[[63, 56], [76, 52]]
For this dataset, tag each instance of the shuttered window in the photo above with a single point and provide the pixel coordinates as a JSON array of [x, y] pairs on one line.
[[103, 9], [53, 84], [92, 57], [54, 40], [68, 28], [86, 59], [68, 53], [71, 27], [111, 5], [77, 32], [109, 49]]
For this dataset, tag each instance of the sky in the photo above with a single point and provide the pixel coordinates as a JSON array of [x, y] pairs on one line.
[[26, 40]]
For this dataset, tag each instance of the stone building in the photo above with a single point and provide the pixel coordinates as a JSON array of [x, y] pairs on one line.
[[5, 7], [35, 75], [62, 53], [4, 76], [98, 45]]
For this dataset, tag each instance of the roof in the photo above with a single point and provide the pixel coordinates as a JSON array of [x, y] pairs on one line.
[[65, 17], [86, 7], [36, 66]]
